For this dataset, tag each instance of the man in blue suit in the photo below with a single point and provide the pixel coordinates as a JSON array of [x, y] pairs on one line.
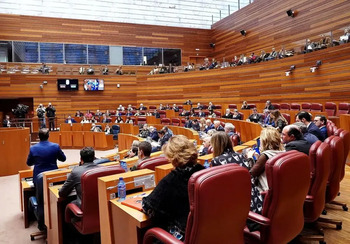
[[305, 117], [44, 155]]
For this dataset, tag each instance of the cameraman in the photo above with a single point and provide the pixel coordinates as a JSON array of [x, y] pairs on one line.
[[40, 112], [50, 113]]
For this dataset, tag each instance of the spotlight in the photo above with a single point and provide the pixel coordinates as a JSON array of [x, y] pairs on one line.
[[118, 85], [212, 45], [314, 68], [45, 82], [288, 72], [243, 32], [290, 13], [41, 86]]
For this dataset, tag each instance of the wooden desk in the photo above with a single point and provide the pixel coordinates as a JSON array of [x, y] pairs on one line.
[[107, 190], [202, 159], [162, 171], [250, 143], [128, 224], [152, 120], [78, 139], [125, 140]]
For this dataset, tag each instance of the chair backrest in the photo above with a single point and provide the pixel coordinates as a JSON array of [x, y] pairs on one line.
[[252, 105], [295, 106], [337, 165], [175, 121], [343, 108], [232, 106], [165, 121], [330, 108], [90, 222], [287, 117], [283, 203], [276, 105], [141, 120], [221, 192], [218, 114], [162, 113], [320, 156], [285, 106], [151, 163], [306, 106], [235, 139], [218, 106], [316, 107], [152, 107], [345, 135]]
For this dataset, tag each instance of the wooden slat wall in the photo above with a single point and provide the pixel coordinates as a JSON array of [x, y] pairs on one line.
[[257, 83], [40, 29], [268, 25]]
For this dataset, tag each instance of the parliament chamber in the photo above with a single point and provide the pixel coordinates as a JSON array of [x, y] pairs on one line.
[[326, 89]]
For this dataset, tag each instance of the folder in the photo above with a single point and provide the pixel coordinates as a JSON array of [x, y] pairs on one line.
[[135, 202]]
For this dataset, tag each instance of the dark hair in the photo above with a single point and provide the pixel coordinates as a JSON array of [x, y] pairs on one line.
[[304, 115], [221, 143], [135, 150], [161, 132], [87, 154], [146, 148], [295, 131], [44, 134], [322, 118]]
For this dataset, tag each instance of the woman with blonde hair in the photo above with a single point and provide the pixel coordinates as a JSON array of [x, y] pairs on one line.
[[278, 120], [168, 203], [270, 145]]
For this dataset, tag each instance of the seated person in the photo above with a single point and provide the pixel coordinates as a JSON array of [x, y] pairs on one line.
[[212, 115], [79, 114], [175, 108], [213, 64], [88, 115], [255, 117], [144, 132], [119, 71], [142, 107], [163, 139], [236, 115], [202, 124], [98, 113], [188, 122], [108, 130], [201, 113], [133, 149], [70, 120], [252, 58], [230, 129], [153, 133], [208, 125], [203, 150], [95, 128], [119, 119], [311, 138], [279, 121], [294, 140], [129, 120], [211, 107], [245, 105], [87, 156], [305, 117], [268, 120], [168, 204], [309, 46], [84, 120], [129, 108], [228, 114], [325, 41], [273, 55], [268, 105], [168, 130], [120, 108], [345, 38], [262, 57], [195, 125], [185, 113], [105, 119], [321, 122], [143, 154], [235, 61], [218, 126]]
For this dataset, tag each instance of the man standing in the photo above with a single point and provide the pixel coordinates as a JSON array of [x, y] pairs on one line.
[[6, 122], [305, 117], [50, 113], [44, 155], [87, 156], [321, 122], [294, 140], [40, 112], [145, 149]]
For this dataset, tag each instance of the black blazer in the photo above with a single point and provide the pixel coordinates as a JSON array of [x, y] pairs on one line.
[[299, 145]]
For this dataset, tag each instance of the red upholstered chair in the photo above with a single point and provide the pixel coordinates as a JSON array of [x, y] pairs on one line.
[[287, 117], [205, 106], [183, 121], [320, 156], [337, 156], [175, 121], [285, 106], [343, 108], [316, 107], [235, 139], [218, 107], [306, 106], [252, 105], [218, 114], [180, 106], [276, 105], [282, 216], [151, 163], [162, 113], [242, 115], [232, 106], [88, 214], [211, 219], [295, 106], [112, 112], [165, 121], [330, 108], [152, 107], [141, 120]]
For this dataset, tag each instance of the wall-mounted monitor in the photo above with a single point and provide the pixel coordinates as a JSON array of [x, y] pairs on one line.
[[67, 84], [94, 85]]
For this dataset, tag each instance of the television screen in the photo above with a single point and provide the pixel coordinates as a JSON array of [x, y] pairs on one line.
[[67, 84], [93, 85]]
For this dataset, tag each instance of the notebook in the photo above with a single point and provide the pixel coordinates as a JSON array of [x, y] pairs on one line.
[[135, 202]]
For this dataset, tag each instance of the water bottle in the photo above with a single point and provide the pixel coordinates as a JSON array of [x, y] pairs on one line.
[[124, 165], [121, 189], [206, 164]]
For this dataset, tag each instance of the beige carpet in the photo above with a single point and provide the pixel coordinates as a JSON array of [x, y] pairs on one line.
[[12, 229]]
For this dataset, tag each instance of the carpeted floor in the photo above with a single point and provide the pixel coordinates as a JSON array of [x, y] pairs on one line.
[[11, 218]]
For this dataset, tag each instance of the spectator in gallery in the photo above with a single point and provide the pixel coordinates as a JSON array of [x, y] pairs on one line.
[[120, 108], [346, 37], [273, 55], [70, 120], [119, 71], [105, 70], [309, 46], [252, 58], [6, 122], [88, 115], [234, 61], [79, 114]]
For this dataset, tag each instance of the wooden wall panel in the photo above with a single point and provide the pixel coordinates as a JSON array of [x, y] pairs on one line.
[[41, 29], [268, 25]]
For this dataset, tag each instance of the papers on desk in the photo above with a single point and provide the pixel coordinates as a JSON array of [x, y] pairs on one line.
[[29, 181]]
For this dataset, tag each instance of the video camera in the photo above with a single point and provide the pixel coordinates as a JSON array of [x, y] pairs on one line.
[[20, 111]]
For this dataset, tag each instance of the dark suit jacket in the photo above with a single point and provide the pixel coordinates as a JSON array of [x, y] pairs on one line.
[[313, 129], [44, 157], [227, 116], [73, 181], [299, 145]]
